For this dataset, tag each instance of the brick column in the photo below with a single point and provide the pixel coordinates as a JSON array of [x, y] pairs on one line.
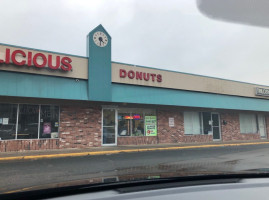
[[80, 127], [168, 134], [176, 134]]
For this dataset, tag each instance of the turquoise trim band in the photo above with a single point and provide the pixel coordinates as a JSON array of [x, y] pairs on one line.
[[39, 86], [159, 96]]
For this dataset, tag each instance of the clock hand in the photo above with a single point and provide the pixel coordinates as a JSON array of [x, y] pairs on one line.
[[101, 40]]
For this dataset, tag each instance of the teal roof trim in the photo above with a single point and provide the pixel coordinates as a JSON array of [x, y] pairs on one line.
[[40, 86], [160, 96]]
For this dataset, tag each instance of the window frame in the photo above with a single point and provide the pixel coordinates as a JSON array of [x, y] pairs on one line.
[[39, 115], [131, 112], [200, 123], [256, 121]]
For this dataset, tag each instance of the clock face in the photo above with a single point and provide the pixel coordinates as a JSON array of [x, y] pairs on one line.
[[100, 39]]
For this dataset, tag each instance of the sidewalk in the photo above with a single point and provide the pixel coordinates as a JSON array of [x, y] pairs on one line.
[[56, 153]]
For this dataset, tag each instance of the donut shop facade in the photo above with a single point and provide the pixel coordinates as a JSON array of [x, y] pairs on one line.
[[51, 100]]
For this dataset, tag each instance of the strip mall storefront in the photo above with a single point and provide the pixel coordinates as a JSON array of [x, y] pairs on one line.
[[51, 100]]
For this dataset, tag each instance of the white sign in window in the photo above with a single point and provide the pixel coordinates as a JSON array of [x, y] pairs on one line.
[[5, 121]]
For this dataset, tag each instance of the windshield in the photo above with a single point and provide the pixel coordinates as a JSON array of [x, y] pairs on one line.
[[181, 91]]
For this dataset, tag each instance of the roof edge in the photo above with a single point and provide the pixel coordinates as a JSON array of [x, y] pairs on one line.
[[10, 45]]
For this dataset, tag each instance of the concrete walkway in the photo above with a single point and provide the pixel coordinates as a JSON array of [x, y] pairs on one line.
[[55, 153]]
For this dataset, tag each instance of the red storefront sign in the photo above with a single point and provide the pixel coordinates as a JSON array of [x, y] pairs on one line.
[[31, 59], [140, 75]]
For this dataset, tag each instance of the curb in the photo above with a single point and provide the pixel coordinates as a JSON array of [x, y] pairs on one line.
[[95, 153]]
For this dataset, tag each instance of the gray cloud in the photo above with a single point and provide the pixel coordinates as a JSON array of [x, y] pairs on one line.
[[169, 34]]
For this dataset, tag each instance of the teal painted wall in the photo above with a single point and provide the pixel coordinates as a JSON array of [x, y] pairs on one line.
[[160, 96], [99, 84], [32, 85]]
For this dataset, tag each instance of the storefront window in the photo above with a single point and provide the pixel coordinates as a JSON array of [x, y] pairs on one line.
[[28, 122], [8, 118], [248, 123], [192, 123], [138, 124], [23, 121], [124, 123], [202, 123], [49, 121], [207, 127], [131, 121]]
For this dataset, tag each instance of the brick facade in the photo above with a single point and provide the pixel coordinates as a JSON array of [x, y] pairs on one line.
[[34, 144], [80, 127], [231, 131], [135, 140], [176, 134]]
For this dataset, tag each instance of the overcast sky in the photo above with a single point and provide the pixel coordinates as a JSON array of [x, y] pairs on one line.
[[170, 34]]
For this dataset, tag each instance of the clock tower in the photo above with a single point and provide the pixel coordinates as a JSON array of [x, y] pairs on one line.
[[99, 64]]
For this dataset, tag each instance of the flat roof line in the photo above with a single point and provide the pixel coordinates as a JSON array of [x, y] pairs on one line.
[[10, 45]]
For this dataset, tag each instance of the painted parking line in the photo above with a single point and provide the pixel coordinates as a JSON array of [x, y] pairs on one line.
[[93, 153], [20, 190]]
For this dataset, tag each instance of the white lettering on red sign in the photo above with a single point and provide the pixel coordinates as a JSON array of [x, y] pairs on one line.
[[140, 75], [38, 60]]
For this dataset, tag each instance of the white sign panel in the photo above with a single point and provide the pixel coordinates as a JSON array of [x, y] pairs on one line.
[[262, 92], [5, 121], [171, 122]]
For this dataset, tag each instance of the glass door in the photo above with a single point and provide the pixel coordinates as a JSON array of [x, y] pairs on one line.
[[215, 126], [109, 127]]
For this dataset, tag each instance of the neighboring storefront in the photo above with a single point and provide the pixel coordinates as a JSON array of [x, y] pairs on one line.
[[26, 121], [51, 100]]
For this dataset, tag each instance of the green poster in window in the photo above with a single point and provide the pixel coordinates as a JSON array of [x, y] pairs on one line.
[[151, 125]]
